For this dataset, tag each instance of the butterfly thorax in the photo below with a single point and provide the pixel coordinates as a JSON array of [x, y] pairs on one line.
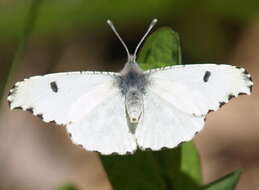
[[132, 83], [132, 76]]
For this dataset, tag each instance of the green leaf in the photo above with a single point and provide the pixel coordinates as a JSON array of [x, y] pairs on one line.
[[180, 167], [29, 26], [228, 182], [162, 48], [66, 187], [191, 162], [169, 162], [189, 176], [138, 171]]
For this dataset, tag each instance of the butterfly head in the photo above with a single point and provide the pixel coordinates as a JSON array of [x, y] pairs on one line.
[[131, 59]]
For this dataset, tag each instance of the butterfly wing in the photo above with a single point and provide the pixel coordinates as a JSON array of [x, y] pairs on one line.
[[198, 89], [51, 96], [164, 125], [89, 103], [178, 98], [104, 129]]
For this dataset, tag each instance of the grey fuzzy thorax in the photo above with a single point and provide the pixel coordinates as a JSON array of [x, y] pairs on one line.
[[132, 76]]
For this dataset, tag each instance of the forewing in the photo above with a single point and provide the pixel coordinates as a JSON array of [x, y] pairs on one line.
[[104, 129], [200, 88], [52, 96], [164, 125]]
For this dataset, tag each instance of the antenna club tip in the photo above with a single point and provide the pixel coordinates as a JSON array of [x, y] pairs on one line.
[[109, 21], [154, 20]]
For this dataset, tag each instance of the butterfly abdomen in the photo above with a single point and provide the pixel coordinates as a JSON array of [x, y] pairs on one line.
[[134, 104]]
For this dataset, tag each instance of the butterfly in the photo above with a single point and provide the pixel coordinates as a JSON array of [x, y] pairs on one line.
[[112, 112]]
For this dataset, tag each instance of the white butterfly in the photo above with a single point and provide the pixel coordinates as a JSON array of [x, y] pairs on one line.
[[117, 112]]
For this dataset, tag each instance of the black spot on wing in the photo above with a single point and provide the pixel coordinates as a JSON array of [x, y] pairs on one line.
[[206, 76], [250, 78], [29, 110], [54, 86], [53, 122], [251, 88], [230, 96], [18, 108], [148, 149], [39, 116], [242, 93], [221, 104], [246, 72], [210, 111]]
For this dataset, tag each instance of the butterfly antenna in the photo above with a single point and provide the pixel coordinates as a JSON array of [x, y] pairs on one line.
[[109, 22], [152, 24]]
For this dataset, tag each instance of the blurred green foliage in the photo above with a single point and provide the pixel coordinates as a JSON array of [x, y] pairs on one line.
[[56, 17], [28, 27]]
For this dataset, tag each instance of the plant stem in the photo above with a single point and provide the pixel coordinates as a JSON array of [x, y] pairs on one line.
[[29, 26]]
